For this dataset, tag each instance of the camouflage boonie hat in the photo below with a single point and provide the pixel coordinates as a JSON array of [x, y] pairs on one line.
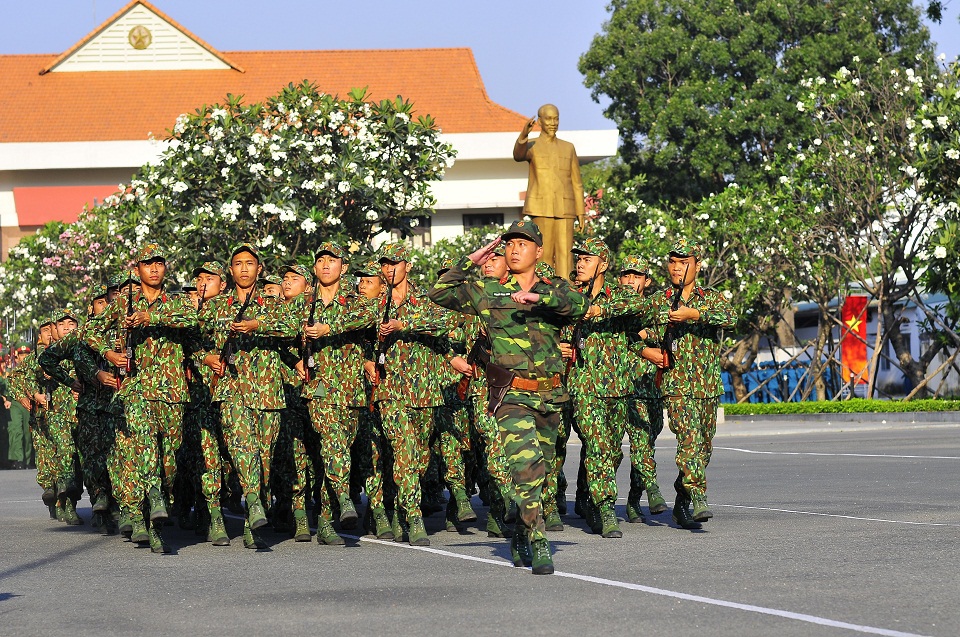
[[98, 290], [272, 279], [446, 265], [370, 268], [63, 313], [211, 267], [332, 248], [634, 263], [526, 229], [245, 247], [593, 247], [152, 252], [544, 270], [394, 253], [687, 248], [297, 268]]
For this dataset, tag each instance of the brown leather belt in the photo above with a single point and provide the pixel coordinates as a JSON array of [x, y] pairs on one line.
[[530, 384]]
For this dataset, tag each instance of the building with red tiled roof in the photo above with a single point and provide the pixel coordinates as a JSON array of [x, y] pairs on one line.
[[76, 124]]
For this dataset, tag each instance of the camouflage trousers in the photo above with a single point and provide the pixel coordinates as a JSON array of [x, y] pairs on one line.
[[408, 431], [154, 434], [18, 434], [644, 424], [122, 474], [250, 435], [602, 422], [694, 421], [44, 449], [554, 466], [451, 440], [337, 427], [529, 439], [292, 463], [371, 455], [61, 428], [496, 460], [95, 439]]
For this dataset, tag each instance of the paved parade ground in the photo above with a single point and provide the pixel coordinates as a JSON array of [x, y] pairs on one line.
[[820, 529]]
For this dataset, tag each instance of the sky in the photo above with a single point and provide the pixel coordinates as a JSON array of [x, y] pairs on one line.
[[527, 52]]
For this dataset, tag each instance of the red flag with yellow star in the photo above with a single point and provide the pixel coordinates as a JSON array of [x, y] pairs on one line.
[[853, 340]]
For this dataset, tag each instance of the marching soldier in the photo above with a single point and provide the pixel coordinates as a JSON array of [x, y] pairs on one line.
[[521, 313], [689, 359], [249, 329], [645, 410], [154, 391]]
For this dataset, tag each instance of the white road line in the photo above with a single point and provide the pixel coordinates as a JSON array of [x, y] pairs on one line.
[[835, 515], [850, 455], [750, 608]]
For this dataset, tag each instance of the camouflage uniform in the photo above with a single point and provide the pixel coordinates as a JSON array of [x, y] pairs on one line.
[[692, 389], [250, 392], [95, 434], [335, 394], [408, 394], [28, 380], [525, 340], [645, 416], [153, 395]]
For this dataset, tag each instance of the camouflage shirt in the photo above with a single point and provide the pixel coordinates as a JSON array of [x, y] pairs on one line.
[[254, 376], [93, 396], [337, 376], [158, 348], [411, 371], [697, 347], [524, 338], [29, 379], [604, 366]]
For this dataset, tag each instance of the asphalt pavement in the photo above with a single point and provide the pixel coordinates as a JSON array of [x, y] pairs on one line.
[[821, 528]]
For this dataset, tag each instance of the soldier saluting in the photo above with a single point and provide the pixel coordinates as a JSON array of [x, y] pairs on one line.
[[523, 314]]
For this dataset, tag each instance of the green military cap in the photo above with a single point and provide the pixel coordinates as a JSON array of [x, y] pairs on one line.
[[525, 229], [47, 320], [63, 313], [332, 248], [121, 278], [544, 270], [445, 265], [593, 247], [686, 248], [273, 279], [98, 290], [500, 249], [210, 267], [634, 263], [245, 247], [370, 268], [394, 253], [299, 269], [23, 349], [152, 252]]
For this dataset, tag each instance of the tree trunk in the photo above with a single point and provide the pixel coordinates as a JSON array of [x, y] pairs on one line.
[[744, 355]]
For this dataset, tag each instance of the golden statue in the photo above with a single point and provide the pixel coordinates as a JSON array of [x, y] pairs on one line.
[[554, 189]]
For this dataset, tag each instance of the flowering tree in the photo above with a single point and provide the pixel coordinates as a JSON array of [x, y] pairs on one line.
[[874, 208], [284, 175]]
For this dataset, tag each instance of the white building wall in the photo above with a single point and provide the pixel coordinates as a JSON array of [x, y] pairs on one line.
[[169, 49]]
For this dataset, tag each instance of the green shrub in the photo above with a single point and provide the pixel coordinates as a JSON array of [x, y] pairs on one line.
[[857, 405]]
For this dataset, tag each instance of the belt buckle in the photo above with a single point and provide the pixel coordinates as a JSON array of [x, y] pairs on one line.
[[545, 384]]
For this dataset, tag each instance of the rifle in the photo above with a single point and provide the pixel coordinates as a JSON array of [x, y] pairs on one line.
[[577, 341], [479, 353], [669, 344], [130, 368], [228, 353], [203, 294], [306, 345], [380, 357]]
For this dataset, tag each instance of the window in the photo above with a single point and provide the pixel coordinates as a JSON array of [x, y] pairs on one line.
[[479, 220], [421, 237]]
